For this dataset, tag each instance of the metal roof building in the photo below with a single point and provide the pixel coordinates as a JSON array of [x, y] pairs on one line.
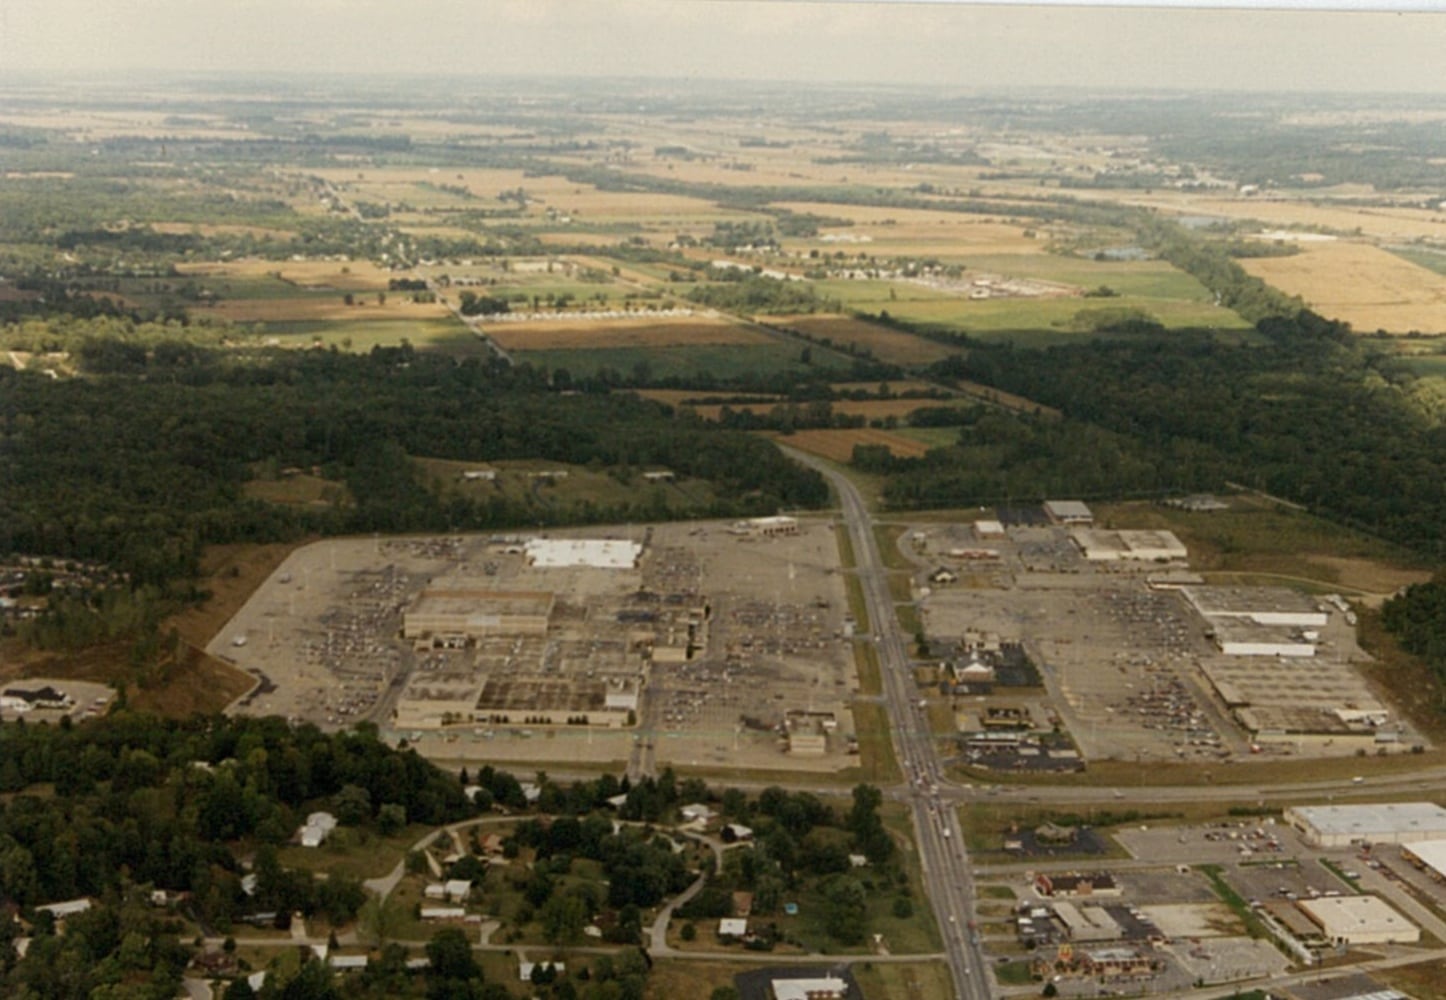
[[1380, 823]]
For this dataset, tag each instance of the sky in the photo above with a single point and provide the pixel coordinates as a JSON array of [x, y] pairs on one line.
[[945, 43]]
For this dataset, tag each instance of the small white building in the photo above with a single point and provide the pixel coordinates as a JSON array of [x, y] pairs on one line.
[[733, 927], [318, 826], [989, 529], [443, 913], [65, 908]]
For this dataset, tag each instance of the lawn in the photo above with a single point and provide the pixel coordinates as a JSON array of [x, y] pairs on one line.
[[354, 853], [923, 981]]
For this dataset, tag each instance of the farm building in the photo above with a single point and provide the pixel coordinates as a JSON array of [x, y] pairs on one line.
[[733, 927], [456, 617], [1353, 920], [1134, 546], [1068, 512], [988, 529], [591, 553], [1379, 823]]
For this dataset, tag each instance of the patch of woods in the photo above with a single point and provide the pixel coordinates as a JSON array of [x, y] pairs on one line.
[[1310, 415], [1417, 618], [801, 852], [139, 804]]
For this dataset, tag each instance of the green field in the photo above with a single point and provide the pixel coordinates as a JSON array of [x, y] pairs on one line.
[[446, 335], [1430, 259]]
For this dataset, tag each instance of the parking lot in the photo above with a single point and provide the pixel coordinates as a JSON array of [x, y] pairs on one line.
[[731, 639]]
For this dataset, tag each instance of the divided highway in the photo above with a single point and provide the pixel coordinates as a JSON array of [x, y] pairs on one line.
[[947, 875]]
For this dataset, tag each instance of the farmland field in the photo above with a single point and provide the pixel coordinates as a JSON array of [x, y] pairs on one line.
[[322, 307], [564, 334], [838, 445], [889, 346], [1370, 288]]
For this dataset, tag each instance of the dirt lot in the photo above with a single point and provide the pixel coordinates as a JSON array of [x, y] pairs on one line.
[[1364, 285], [563, 334]]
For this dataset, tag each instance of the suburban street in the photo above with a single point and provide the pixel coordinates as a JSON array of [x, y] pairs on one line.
[[947, 876]]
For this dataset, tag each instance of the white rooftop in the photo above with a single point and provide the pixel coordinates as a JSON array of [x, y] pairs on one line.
[[596, 553], [1377, 819], [1432, 854], [733, 926], [1343, 916], [805, 989]]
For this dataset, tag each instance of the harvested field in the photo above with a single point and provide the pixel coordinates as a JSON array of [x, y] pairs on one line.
[[552, 335], [1370, 288], [322, 307], [889, 346], [838, 445], [343, 276]]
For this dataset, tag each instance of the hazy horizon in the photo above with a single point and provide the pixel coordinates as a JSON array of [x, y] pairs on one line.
[[942, 44]]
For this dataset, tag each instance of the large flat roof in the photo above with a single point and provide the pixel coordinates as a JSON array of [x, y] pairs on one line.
[[597, 553], [1377, 819], [1345, 916], [1431, 853]]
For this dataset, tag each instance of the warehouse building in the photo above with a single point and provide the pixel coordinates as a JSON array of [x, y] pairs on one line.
[[1429, 856], [1099, 545], [1345, 921], [1378, 823]]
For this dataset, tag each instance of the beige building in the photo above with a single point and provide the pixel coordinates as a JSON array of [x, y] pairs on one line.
[[1353, 920]]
